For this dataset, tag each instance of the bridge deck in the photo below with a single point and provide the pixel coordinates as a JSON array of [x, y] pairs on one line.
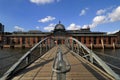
[[42, 69]]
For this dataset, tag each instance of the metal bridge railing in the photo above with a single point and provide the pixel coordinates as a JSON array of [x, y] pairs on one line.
[[112, 61], [80, 49], [29, 57]]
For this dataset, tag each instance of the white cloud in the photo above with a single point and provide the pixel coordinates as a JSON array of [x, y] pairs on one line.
[[96, 21], [113, 32], [115, 15], [50, 27], [83, 11], [101, 11], [47, 19], [99, 19], [108, 17], [37, 27], [42, 1], [73, 27], [85, 26], [17, 28]]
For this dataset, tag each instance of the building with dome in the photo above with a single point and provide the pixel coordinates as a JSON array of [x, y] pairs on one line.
[[30, 38]]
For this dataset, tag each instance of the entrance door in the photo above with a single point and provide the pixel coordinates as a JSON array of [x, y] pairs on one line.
[[59, 42]]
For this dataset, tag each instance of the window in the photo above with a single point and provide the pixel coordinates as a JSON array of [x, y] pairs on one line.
[[79, 38], [109, 40], [39, 39], [84, 40], [95, 40], [18, 40], [23, 40], [34, 40], [28, 40], [99, 41]]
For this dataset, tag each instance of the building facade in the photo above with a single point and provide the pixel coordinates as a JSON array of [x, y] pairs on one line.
[[30, 38]]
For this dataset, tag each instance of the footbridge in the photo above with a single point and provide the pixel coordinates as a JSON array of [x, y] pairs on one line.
[[69, 61]]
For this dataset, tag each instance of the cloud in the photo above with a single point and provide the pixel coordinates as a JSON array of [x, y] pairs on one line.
[[37, 27], [96, 21], [43, 1], [115, 15], [47, 19], [17, 28], [108, 17], [73, 27], [101, 11], [85, 26], [83, 11], [50, 27], [99, 19], [113, 32]]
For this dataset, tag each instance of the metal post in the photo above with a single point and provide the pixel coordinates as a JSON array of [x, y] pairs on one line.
[[27, 59], [91, 57], [61, 66], [68, 42], [72, 45], [78, 50], [46, 45], [40, 49]]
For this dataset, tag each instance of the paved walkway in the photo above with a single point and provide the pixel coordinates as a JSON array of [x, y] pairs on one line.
[[42, 68]]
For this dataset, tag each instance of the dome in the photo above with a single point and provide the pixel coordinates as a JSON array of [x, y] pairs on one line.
[[59, 27]]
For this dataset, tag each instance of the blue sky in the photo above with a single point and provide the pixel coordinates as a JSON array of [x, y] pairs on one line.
[[25, 15]]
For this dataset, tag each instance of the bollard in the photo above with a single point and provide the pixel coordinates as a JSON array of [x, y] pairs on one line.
[[61, 66]]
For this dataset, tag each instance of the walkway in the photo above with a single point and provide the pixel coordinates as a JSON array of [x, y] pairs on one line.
[[42, 68]]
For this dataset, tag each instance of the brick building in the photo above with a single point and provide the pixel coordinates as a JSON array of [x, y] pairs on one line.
[[30, 38]]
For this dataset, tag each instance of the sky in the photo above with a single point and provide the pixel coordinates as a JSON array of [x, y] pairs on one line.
[[43, 15]]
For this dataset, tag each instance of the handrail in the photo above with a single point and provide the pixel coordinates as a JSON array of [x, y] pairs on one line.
[[29, 57], [73, 43]]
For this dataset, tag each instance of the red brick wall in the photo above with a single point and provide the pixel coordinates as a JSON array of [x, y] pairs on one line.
[[20, 40], [87, 40], [82, 39]]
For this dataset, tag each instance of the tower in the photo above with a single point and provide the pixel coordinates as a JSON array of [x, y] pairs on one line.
[[1, 28]]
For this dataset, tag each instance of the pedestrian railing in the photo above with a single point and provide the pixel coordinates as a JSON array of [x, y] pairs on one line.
[[81, 50], [29, 57]]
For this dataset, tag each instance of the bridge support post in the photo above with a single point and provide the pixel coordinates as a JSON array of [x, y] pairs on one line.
[[91, 57], [72, 45], [61, 66], [28, 59], [78, 49], [46, 45], [40, 49]]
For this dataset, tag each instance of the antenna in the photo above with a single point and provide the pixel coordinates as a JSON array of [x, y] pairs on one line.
[[59, 22]]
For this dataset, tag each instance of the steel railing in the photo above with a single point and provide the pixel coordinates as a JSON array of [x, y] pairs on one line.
[[29, 57], [81, 50]]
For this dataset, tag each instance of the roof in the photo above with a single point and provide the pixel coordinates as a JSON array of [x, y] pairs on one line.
[[30, 34], [59, 27]]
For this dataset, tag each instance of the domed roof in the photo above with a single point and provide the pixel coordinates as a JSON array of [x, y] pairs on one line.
[[59, 27]]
